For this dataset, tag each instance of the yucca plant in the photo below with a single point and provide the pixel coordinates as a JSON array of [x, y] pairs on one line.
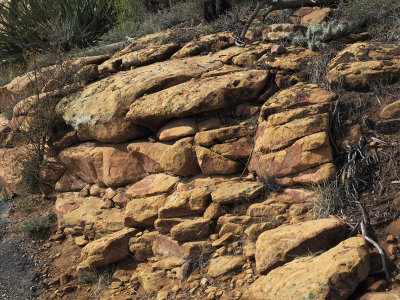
[[40, 25]]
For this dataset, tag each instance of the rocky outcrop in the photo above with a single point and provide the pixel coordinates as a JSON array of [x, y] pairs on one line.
[[361, 64], [206, 43], [25, 85], [334, 274], [292, 142], [104, 165], [87, 215], [98, 112], [106, 250], [196, 96], [278, 246]]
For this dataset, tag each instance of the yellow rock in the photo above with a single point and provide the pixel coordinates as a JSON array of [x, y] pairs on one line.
[[334, 274], [281, 245]]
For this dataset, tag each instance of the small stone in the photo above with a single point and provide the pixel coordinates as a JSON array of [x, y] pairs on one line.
[[85, 191], [95, 190], [203, 282], [213, 237], [81, 241], [219, 293], [391, 249], [175, 288], [211, 296], [390, 239], [115, 284], [239, 283], [226, 238], [162, 295]]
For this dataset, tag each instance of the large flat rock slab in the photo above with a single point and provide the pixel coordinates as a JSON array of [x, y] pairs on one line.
[[283, 244], [361, 64], [193, 97], [98, 112], [334, 274]]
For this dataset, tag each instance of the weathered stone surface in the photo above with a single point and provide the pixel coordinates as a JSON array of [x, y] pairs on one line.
[[211, 163], [231, 228], [254, 231], [25, 85], [236, 150], [361, 64], [236, 192], [197, 249], [164, 246], [208, 124], [283, 244], [276, 32], [334, 274], [297, 96], [316, 175], [141, 246], [391, 111], [225, 239], [149, 40], [178, 159], [296, 195], [164, 225], [225, 264], [214, 210], [190, 230], [220, 135], [106, 250], [138, 58], [142, 212], [249, 58], [276, 137], [316, 17], [69, 183], [168, 263], [177, 128], [296, 59], [104, 165], [98, 112], [52, 170], [305, 153], [206, 43], [9, 135], [186, 203], [152, 185], [74, 211], [8, 174], [195, 97], [292, 136]]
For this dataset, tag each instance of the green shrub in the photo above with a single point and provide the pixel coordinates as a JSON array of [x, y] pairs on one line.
[[37, 225], [317, 35], [189, 14], [381, 18], [130, 11], [39, 25]]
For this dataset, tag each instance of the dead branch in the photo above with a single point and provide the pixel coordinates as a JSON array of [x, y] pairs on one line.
[[275, 5], [376, 245]]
